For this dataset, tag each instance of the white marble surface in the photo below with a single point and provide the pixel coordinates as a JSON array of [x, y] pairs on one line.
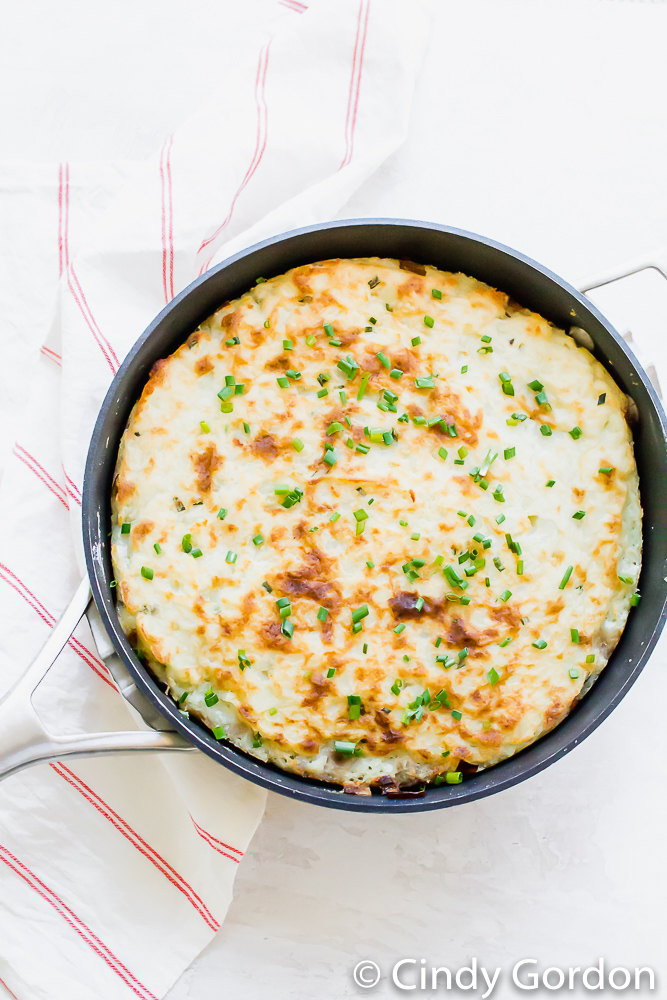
[[540, 123]]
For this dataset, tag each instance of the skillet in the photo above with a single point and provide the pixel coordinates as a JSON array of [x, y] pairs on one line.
[[23, 739]]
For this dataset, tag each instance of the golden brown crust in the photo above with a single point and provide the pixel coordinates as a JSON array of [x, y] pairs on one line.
[[211, 487]]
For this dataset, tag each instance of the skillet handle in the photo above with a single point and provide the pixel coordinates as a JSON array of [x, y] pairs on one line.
[[656, 260], [24, 740]]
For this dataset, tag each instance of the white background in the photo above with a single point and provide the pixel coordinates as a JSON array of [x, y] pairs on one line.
[[540, 123]]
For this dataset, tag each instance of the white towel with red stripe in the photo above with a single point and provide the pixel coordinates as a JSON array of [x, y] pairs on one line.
[[115, 873]]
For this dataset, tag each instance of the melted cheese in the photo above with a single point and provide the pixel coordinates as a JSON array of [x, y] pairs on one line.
[[209, 625]]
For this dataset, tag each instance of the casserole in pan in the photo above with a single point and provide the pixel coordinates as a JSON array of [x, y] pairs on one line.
[[21, 738]]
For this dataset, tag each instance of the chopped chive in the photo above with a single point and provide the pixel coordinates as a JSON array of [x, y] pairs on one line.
[[590, 658], [334, 427], [328, 329], [472, 520], [605, 469], [359, 613], [329, 457], [156, 546], [504, 377], [322, 614], [493, 676], [383, 359], [205, 429], [574, 673], [426, 382], [283, 382], [545, 430], [416, 341], [456, 715], [464, 369], [508, 389], [519, 567], [310, 340], [322, 393], [574, 635], [267, 587], [626, 579], [211, 698], [580, 514], [125, 528], [509, 453], [363, 384], [287, 345], [419, 603], [287, 629], [575, 433], [552, 482], [436, 293], [283, 602], [297, 444], [362, 448], [370, 564], [344, 747], [415, 536], [506, 594], [539, 644], [428, 321], [186, 543], [542, 400], [486, 339], [231, 557], [505, 642], [196, 553], [453, 777], [566, 577], [500, 518], [258, 540], [535, 386], [360, 515], [442, 452], [246, 427], [399, 628], [147, 572], [334, 516], [331, 672], [602, 398], [396, 373], [293, 374], [343, 397]]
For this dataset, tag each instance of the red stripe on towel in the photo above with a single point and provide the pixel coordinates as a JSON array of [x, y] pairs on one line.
[[355, 80], [89, 659], [260, 143], [31, 462], [80, 299], [216, 844], [137, 841], [48, 353], [76, 923], [167, 221]]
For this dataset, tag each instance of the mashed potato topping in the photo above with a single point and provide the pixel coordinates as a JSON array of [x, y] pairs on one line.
[[373, 519]]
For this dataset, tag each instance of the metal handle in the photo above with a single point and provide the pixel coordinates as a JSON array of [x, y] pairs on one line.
[[656, 260], [24, 740]]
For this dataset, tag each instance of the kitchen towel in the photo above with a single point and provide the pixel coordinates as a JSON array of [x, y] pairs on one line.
[[116, 872]]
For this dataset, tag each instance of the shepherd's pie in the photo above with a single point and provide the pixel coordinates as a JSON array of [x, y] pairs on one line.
[[373, 521]]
